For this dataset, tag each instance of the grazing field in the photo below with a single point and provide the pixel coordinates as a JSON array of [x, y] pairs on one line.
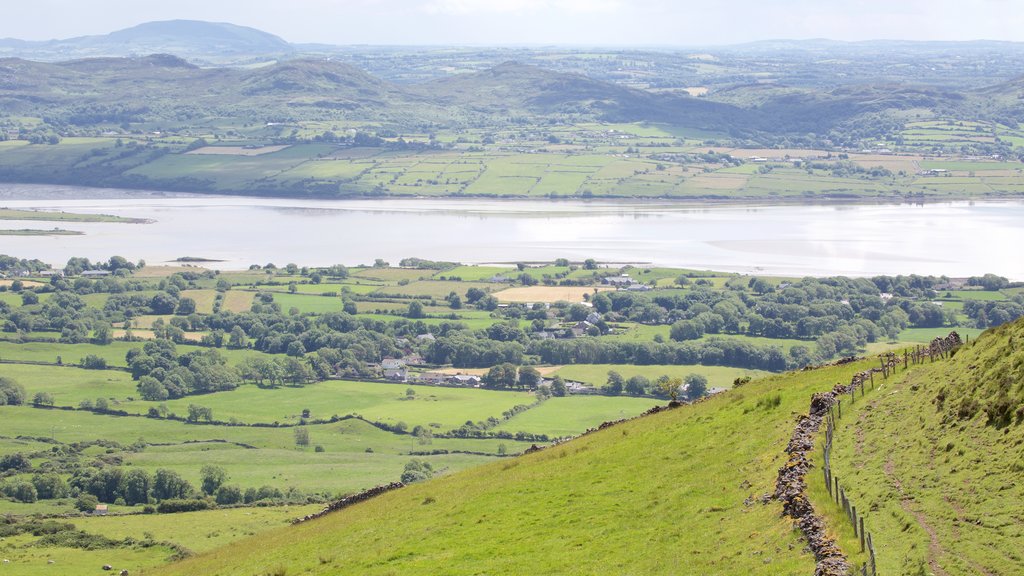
[[597, 374], [389, 403], [235, 150], [574, 414], [69, 385], [546, 293], [238, 301]]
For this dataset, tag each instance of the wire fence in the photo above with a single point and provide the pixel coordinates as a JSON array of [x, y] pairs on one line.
[[890, 363]]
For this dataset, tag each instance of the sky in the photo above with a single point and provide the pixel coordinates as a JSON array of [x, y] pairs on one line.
[[537, 22]]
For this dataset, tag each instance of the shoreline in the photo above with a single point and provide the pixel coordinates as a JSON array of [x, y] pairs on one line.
[[49, 193]]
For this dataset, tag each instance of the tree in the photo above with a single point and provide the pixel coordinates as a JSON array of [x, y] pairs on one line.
[[134, 487], [417, 470], [528, 377], [228, 495], [670, 387], [42, 399], [415, 309], [197, 413], [590, 264], [501, 376], [94, 362], [185, 307], [637, 385], [558, 387], [473, 295], [696, 386], [238, 338], [11, 393], [152, 389], [49, 486], [24, 492], [686, 330], [168, 484], [301, 436], [615, 383], [211, 478], [86, 502]]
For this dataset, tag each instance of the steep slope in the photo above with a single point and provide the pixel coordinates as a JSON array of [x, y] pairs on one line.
[[675, 492], [936, 459]]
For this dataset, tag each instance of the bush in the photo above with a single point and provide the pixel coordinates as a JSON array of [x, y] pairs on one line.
[[228, 495], [86, 502], [94, 362], [11, 393]]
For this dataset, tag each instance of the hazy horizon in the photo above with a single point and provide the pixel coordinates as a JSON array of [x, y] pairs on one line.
[[613, 23]]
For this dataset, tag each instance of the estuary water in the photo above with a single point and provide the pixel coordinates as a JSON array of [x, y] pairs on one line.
[[954, 238]]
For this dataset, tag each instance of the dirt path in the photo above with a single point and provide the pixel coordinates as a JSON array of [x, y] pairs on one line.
[[935, 548]]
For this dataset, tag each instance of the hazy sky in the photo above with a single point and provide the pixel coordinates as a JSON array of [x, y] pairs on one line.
[[590, 22]]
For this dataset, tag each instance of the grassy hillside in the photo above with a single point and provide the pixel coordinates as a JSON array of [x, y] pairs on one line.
[[936, 459], [656, 495]]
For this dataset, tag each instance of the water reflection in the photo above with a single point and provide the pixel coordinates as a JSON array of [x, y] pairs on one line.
[[955, 239]]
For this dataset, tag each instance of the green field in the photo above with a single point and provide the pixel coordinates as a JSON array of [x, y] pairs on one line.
[[597, 374], [448, 407], [572, 415], [697, 463]]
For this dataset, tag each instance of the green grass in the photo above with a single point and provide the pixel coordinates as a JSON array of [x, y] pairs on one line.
[[942, 488], [648, 485], [597, 374], [213, 528], [356, 455], [574, 414], [69, 386], [925, 335], [306, 303], [449, 407]]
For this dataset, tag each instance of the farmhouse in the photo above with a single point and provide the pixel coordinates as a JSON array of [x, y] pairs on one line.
[[468, 380], [432, 378], [394, 369], [623, 280], [95, 273], [101, 510]]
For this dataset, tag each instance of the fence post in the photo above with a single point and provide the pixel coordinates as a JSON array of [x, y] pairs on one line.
[[861, 533]]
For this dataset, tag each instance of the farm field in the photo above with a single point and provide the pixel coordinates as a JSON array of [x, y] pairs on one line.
[[569, 416], [597, 374], [381, 402], [742, 463]]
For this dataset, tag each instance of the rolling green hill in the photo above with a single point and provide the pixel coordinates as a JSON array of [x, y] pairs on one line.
[[936, 459], [675, 492]]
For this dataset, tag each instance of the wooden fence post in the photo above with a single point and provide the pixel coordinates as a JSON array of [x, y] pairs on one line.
[[861, 533]]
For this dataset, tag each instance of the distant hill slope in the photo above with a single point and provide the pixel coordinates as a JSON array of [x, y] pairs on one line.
[[512, 87], [936, 459], [673, 493], [168, 89], [184, 38]]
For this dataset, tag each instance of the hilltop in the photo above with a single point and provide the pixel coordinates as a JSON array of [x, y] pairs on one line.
[[185, 38]]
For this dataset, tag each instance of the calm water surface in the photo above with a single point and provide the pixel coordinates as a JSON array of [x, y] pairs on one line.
[[955, 239]]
